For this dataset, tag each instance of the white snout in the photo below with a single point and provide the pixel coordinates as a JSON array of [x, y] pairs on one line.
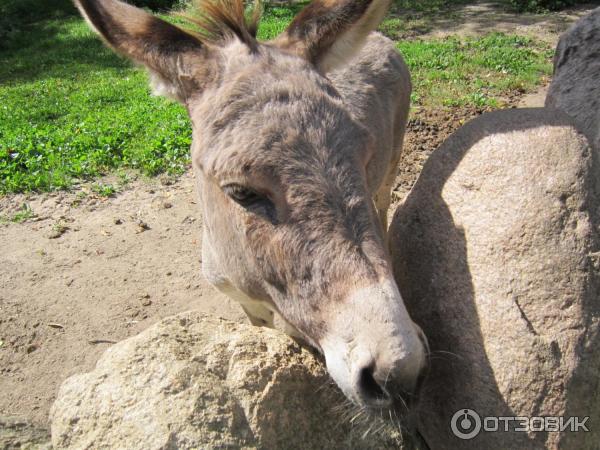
[[373, 350]]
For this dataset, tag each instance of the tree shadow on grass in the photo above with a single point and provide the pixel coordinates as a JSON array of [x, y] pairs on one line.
[[59, 48], [439, 18]]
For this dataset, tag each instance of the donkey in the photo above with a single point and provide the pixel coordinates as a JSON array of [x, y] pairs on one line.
[[295, 148]]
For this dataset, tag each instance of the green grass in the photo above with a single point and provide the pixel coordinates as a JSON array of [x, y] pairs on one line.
[[474, 71], [276, 18], [70, 110]]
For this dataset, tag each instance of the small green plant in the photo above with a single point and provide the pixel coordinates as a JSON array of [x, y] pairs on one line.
[[58, 229], [23, 214], [79, 197], [104, 190], [124, 178]]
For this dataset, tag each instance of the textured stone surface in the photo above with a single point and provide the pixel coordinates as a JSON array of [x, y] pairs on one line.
[[192, 381], [497, 254], [575, 86]]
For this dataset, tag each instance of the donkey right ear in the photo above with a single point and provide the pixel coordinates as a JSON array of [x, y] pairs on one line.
[[329, 32], [177, 61]]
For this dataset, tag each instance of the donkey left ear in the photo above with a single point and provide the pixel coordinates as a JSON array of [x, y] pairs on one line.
[[329, 32], [177, 61]]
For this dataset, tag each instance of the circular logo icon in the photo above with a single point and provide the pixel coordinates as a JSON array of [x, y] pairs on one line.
[[465, 424]]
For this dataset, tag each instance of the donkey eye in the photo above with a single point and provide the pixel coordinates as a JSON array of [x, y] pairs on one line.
[[251, 200], [243, 195]]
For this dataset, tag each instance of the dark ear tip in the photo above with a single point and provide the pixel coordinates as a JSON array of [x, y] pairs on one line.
[[161, 47]]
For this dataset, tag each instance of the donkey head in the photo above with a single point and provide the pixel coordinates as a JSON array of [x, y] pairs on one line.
[[282, 173]]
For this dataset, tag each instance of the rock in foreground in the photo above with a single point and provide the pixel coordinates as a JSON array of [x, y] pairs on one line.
[[192, 381], [497, 254]]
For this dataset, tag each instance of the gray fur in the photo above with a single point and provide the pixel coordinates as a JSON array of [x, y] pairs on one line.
[[321, 149]]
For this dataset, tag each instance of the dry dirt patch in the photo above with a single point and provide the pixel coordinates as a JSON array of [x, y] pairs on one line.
[[119, 265]]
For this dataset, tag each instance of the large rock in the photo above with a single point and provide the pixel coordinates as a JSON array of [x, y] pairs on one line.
[[497, 255], [575, 86], [197, 382]]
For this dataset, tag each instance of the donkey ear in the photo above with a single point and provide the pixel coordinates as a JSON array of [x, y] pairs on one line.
[[329, 32], [173, 57]]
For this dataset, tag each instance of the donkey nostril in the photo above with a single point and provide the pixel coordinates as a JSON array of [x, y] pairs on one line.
[[369, 388]]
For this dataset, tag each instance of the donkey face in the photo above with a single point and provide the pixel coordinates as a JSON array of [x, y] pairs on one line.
[[289, 220], [281, 164]]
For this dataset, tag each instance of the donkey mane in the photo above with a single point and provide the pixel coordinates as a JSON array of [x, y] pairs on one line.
[[217, 21]]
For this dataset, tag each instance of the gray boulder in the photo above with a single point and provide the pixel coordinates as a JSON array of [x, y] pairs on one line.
[[497, 254], [192, 381], [575, 87]]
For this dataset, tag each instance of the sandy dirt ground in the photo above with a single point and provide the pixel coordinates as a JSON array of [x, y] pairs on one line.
[[87, 271]]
